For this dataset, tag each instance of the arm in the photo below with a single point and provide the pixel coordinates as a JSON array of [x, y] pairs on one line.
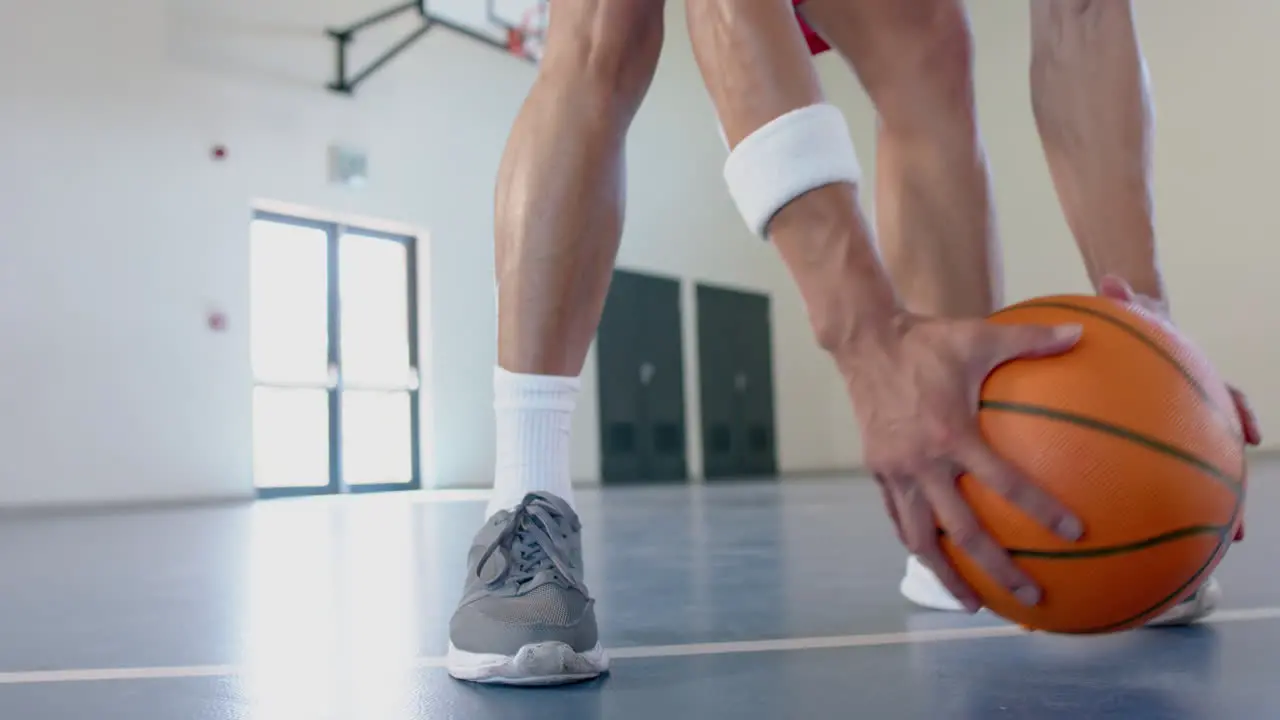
[[1089, 92], [793, 174], [757, 70]]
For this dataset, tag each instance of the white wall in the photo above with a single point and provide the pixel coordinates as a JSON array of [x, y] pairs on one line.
[[117, 233], [120, 233]]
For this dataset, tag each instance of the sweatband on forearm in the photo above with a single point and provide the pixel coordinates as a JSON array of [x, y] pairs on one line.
[[799, 151]]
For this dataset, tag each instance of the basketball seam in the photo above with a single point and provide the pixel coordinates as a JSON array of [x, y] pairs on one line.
[[1152, 345], [1232, 483], [1157, 607], [1222, 531], [1109, 550]]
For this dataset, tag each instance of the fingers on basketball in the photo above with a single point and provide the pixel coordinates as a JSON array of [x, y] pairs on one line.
[[1002, 478], [1084, 429], [891, 508], [1117, 289], [967, 535], [1248, 421], [920, 531], [1010, 342]]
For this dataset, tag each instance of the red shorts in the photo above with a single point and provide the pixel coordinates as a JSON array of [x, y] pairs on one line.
[[817, 45]]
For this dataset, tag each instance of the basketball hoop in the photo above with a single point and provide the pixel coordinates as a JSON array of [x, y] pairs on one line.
[[527, 38]]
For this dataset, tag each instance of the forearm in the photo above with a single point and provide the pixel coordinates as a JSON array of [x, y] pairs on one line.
[[1092, 106], [849, 297], [757, 69]]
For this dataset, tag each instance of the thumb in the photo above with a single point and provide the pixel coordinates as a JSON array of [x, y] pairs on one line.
[[1116, 288], [1033, 341]]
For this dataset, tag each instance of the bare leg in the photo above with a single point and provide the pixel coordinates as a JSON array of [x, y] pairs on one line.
[[933, 191], [557, 227], [1093, 111], [561, 182], [526, 617]]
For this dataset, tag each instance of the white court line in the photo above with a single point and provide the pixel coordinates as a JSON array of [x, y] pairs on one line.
[[915, 637], [137, 673]]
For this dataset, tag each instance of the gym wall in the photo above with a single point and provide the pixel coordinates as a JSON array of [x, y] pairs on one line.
[[119, 232]]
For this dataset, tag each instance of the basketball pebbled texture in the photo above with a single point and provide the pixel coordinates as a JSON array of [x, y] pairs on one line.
[[1133, 430]]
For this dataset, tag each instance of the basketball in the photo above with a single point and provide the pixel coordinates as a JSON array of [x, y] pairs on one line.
[[1136, 433]]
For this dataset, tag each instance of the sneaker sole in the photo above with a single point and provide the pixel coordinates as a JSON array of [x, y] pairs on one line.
[[548, 663]]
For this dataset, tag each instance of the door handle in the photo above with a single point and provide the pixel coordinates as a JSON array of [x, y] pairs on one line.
[[740, 382], [647, 371]]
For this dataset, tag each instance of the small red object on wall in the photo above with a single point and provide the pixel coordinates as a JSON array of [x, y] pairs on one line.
[[219, 152], [217, 321]]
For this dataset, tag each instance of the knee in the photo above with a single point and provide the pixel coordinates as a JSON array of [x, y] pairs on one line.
[[611, 45], [930, 80]]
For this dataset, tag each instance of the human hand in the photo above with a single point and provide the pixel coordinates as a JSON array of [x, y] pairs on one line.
[[1117, 289], [915, 391]]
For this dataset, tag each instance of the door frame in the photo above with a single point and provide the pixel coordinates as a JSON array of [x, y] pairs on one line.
[[336, 385]]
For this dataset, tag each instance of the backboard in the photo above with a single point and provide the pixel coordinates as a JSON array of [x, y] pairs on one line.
[[517, 24]]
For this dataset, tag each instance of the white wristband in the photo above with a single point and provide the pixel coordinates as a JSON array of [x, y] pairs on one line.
[[799, 151]]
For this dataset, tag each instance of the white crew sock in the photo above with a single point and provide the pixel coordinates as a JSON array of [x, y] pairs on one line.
[[534, 414]]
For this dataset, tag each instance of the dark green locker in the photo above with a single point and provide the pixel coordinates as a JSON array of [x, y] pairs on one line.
[[640, 365], [735, 358]]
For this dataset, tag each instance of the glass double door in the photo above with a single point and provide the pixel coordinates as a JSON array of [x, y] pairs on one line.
[[335, 358]]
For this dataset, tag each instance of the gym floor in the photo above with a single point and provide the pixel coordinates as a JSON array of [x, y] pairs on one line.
[[765, 600]]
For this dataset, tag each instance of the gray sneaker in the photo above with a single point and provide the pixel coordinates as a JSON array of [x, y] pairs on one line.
[[526, 617]]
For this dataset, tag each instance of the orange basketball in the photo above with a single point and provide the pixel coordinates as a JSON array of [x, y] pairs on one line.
[[1135, 432]]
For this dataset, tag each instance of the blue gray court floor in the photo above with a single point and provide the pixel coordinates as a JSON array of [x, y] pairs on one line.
[[758, 600]]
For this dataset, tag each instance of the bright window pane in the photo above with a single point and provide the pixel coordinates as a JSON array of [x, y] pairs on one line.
[[289, 323], [373, 277], [290, 437], [377, 437]]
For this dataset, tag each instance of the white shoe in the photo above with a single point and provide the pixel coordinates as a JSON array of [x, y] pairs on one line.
[[921, 587]]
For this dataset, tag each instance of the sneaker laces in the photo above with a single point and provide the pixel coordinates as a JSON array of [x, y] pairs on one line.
[[528, 546]]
